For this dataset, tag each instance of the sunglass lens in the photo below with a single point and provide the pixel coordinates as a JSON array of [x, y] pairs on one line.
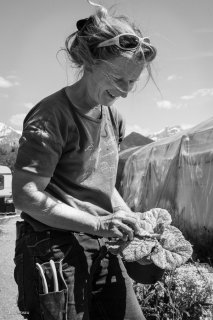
[[128, 41], [149, 52], [146, 39]]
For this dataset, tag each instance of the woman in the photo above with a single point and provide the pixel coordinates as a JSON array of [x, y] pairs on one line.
[[64, 182]]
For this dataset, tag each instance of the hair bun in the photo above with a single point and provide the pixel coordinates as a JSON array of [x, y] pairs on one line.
[[80, 24]]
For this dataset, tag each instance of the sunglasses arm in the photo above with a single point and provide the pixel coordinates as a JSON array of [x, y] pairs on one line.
[[109, 42]]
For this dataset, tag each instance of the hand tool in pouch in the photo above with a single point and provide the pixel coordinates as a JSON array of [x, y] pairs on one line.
[[44, 281]]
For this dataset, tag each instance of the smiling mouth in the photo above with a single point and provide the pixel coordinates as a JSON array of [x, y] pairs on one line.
[[111, 95]]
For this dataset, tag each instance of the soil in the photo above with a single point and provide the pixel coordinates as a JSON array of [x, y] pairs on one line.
[[8, 287]]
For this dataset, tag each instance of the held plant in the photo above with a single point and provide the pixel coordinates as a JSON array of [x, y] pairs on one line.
[[185, 293]]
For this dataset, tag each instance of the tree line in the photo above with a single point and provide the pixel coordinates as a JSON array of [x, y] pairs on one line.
[[8, 155]]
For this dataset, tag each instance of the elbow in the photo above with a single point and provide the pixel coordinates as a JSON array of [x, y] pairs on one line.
[[21, 200], [18, 200]]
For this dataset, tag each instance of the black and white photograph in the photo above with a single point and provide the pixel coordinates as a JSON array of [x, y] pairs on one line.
[[106, 160]]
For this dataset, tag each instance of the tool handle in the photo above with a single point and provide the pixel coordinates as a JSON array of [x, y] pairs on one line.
[[55, 277], [44, 282]]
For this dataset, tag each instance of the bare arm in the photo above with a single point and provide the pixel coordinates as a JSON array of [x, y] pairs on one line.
[[29, 196], [118, 203]]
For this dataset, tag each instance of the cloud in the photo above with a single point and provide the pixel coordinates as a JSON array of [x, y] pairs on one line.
[[28, 105], [200, 93], [4, 83], [166, 104], [186, 126], [16, 83], [205, 92], [174, 77], [136, 128], [189, 97], [17, 119]]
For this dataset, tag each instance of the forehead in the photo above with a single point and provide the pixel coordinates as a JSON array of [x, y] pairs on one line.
[[123, 67]]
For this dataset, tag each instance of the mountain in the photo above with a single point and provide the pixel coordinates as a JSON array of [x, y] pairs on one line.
[[166, 132], [134, 139], [9, 140], [8, 136]]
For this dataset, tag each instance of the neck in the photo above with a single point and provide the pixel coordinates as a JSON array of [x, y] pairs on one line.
[[79, 96]]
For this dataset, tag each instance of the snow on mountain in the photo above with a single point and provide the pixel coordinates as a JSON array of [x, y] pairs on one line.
[[166, 132], [8, 135]]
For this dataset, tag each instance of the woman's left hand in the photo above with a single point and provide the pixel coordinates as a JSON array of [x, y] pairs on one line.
[[121, 224]]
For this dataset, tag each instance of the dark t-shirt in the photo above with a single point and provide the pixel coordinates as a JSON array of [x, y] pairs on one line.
[[79, 153]]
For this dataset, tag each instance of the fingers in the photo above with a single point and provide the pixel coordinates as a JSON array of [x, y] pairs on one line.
[[116, 233], [129, 219], [126, 232], [122, 225], [126, 224]]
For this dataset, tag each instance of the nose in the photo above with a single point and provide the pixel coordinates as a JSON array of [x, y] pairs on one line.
[[124, 94], [124, 89]]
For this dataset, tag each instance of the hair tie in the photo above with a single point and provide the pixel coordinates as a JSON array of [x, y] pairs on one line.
[[80, 24]]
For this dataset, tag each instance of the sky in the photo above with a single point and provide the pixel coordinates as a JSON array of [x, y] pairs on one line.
[[32, 67]]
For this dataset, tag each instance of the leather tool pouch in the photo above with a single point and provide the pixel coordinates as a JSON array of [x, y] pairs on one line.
[[54, 303]]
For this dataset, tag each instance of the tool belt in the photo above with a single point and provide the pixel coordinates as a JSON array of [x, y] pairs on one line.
[[23, 228]]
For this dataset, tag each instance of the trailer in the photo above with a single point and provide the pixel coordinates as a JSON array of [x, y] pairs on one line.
[[6, 200]]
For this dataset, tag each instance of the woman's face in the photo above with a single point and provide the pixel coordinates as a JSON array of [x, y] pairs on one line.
[[113, 79]]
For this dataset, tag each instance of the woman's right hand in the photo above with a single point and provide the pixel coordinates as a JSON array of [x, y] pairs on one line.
[[121, 224]]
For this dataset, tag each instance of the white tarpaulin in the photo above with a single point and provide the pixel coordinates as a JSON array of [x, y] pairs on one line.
[[176, 174]]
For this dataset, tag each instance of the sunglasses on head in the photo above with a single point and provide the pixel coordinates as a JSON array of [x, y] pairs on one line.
[[130, 42]]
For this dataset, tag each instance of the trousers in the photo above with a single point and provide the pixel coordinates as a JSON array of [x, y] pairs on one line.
[[93, 283]]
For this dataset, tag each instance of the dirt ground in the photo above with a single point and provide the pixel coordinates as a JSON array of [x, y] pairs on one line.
[[8, 288]]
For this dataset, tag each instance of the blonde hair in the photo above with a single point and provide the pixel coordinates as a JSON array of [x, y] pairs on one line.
[[81, 46]]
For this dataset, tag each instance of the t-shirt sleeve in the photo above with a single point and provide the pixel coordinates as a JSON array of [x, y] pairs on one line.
[[41, 143]]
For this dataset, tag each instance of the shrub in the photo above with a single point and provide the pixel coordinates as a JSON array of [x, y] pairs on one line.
[[186, 293]]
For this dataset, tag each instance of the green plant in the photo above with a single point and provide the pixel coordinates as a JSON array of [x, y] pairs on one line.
[[186, 293]]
